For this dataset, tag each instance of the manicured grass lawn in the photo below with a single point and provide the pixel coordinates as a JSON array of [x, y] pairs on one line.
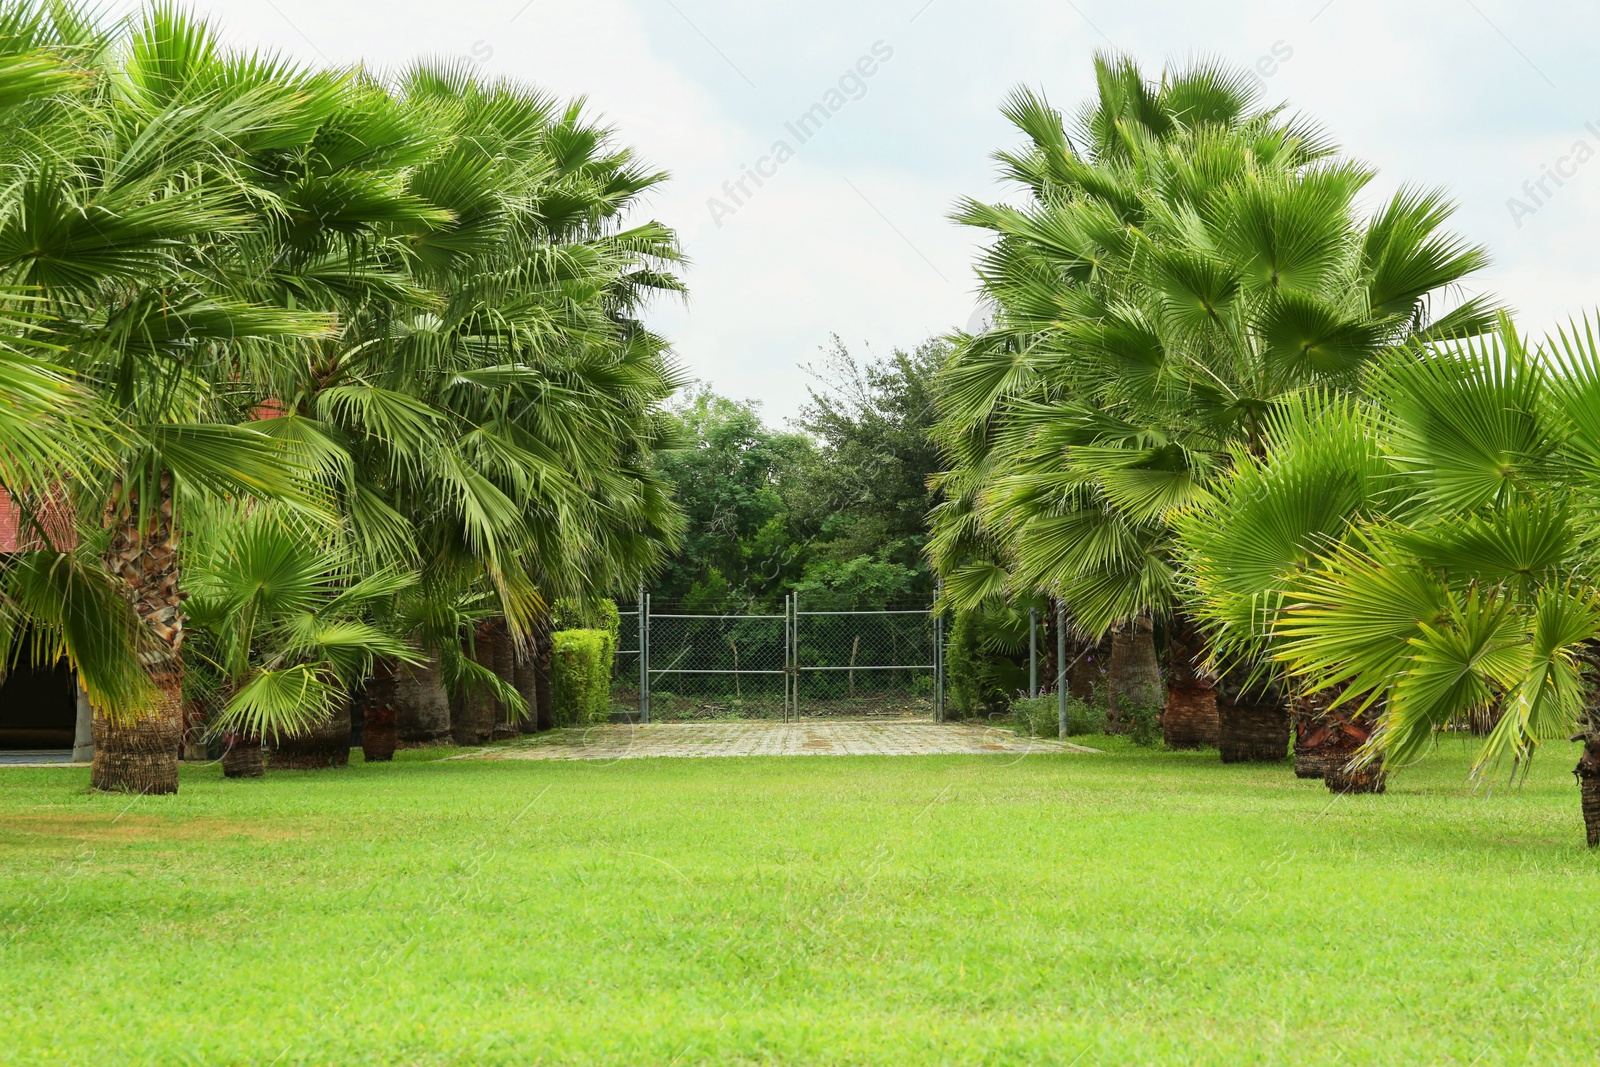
[[1134, 907]]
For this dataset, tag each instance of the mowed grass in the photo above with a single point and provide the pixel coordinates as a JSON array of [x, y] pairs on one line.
[[1135, 907]]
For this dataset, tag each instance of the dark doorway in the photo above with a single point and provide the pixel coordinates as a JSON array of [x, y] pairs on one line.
[[38, 707]]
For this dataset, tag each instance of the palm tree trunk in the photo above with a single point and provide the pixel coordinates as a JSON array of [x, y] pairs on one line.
[[544, 651], [1313, 737], [1327, 741], [141, 755], [241, 757], [1254, 722], [472, 713], [325, 744], [378, 733], [1189, 718], [505, 668], [1088, 671], [1588, 772], [527, 683], [421, 705], [1134, 679]]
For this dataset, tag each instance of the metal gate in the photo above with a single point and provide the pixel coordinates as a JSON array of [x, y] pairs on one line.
[[698, 665]]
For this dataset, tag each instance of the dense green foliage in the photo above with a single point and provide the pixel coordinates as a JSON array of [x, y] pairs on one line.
[[1041, 717], [1136, 907], [1187, 259], [835, 509], [580, 676], [1429, 551], [409, 310]]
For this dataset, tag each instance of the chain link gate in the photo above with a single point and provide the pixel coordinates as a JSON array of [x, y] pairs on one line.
[[677, 665]]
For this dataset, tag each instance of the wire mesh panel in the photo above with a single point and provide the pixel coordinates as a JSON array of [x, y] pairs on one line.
[[866, 663], [714, 666], [625, 667]]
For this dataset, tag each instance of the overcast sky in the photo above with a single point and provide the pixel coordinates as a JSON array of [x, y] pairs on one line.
[[851, 235]]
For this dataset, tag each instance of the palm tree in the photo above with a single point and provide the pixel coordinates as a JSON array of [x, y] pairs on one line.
[[1476, 589], [282, 632], [1187, 261], [1261, 527]]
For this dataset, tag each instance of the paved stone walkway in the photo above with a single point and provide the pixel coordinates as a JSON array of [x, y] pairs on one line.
[[699, 740]]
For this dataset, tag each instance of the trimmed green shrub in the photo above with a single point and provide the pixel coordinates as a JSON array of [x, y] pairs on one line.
[[580, 676], [971, 686], [601, 614]]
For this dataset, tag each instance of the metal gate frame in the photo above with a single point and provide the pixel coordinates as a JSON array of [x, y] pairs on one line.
[[798, 669], [792, 669]]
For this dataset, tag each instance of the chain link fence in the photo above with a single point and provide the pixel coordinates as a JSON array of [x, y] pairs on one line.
[[707, 665]]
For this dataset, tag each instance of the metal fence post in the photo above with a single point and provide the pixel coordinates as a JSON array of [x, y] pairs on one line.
[[641, 611], [795, 604], [644, 662], [1061, 669], [788, 656], [1033, 652], [938, 652]]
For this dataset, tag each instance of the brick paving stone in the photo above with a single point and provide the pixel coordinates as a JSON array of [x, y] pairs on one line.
[[710, 739]]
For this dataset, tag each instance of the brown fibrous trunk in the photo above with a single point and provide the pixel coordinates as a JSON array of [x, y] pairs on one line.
[[378, 731], [527, 683], [241, 757], [140, 754], [324, 744], [506, 724], [1134, 679], [1189, 717], [1328, 742], [421, 705], [1314, 751], [1254, 723], [472, 712], [544, 651], [1588, 772]]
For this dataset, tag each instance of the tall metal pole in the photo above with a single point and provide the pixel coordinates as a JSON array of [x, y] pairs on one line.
[[788, 662], [938, 652], [795, 644], [1061, 670], [642, 712], [1033, 652], [644, 658]]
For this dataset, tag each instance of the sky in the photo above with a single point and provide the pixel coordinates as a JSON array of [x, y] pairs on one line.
[[848, 233]]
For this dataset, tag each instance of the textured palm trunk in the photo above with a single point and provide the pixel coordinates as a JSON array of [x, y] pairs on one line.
[[241, 757], [196, 713], [543, 652], [326, 744], [378, 719], [141, 755], [1253, 721], [472, 713], [527, 683], [1327, 742], [1189, 717], [506, 724], [1314, 749], [421, 705], [1588, 772], [1134, 679], [1089, 671]]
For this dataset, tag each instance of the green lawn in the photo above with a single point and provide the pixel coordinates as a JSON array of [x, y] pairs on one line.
[[1135, 907]]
